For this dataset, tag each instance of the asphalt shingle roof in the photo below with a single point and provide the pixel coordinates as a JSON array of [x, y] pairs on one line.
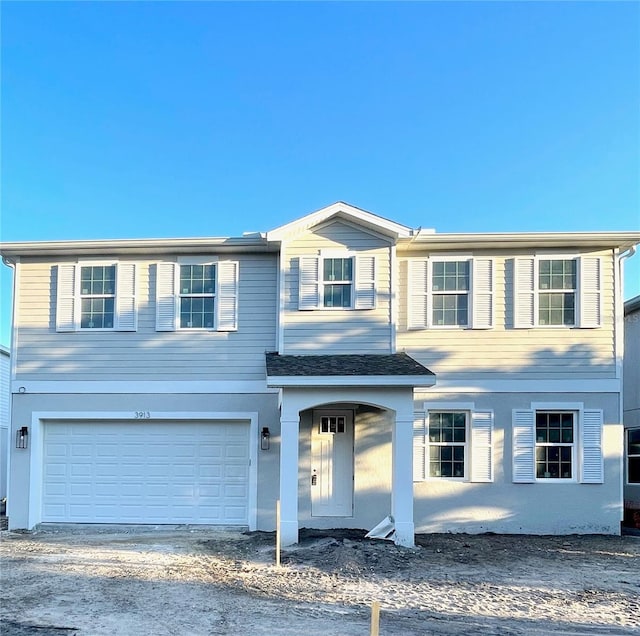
[[399, 364]]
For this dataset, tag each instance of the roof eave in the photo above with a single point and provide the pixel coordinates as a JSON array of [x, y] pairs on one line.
[[136, 246]]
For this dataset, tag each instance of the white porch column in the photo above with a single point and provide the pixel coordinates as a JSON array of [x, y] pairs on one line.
[[402, 480], [289, 442]]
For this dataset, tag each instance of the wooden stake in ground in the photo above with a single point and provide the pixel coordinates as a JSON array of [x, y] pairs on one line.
[[375, 618], [278, 533]]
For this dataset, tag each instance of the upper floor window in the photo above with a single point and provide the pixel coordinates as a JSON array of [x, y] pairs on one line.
[[556, 291], [450, 292], [91, 296], [97, 296], [337, 281], [450, 289], [197, 295], [633, 456]]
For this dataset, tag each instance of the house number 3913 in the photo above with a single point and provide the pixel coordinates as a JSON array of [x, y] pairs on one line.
[[142, 415]]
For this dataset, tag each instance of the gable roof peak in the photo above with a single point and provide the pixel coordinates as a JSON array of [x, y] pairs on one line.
[[340, 209]]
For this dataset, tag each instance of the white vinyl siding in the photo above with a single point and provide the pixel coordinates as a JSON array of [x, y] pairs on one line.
[[479, 294], [504, 352], [69, 297], [587, 295], [148, 354], [478, 444], [226, 296], [367, 326], [588, 425]]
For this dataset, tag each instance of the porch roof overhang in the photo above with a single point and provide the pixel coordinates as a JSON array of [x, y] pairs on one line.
[[347, 370]]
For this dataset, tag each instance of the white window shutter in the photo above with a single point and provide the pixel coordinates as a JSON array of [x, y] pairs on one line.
[[482, 281], [591, 466], [417, 294], [420, 434], [126, 315], [524, 293], [66, 300], [365, 282], [523, 447], [482, 446], [166, 300], [227, 297], [590, 291], [309, 282]]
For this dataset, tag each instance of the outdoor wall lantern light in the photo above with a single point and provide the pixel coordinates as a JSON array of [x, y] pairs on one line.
[[22, 437], [264, 439]]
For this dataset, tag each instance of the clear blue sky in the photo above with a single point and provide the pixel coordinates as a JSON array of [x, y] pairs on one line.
[[209, 119]]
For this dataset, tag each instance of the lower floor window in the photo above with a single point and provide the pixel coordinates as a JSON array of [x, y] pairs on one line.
[[554, 444], [633, 456], [447, 444]]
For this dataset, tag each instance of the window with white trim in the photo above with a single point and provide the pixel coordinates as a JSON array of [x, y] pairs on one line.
[[197, 296], [96, 296], [447, 443], [451, 292], [633, 456], [337, 281], [453, 443], [557, 442], [557, 291]]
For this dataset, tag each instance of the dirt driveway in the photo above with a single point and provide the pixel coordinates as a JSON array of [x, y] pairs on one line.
[[186, 581]]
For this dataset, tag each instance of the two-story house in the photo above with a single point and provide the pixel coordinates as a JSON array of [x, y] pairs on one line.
[[344, 364]]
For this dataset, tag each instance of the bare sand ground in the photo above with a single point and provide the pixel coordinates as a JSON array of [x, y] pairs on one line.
[[138, 581]]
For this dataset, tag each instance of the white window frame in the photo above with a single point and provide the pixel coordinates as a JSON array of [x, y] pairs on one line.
[[82, 296], [544, 292], [629, 456], [324, 256], [433, 293], [573, 445], [180, 295], [478, 444], [587, 291], [69, 296]]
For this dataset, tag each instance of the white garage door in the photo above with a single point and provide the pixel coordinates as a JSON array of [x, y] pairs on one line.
[[151, 472]]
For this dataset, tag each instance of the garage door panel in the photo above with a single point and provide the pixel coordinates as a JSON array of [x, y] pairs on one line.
[[151, 472]]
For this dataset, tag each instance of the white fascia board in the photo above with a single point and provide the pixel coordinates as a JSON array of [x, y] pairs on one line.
[[513, 240], [136, 246], [224, 387], [344, 210], [611, 385], [351, 380]]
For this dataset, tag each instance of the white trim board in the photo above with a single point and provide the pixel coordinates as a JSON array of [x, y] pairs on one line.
[[36, 444], [610, 385], [322, 381], [224, 387]]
